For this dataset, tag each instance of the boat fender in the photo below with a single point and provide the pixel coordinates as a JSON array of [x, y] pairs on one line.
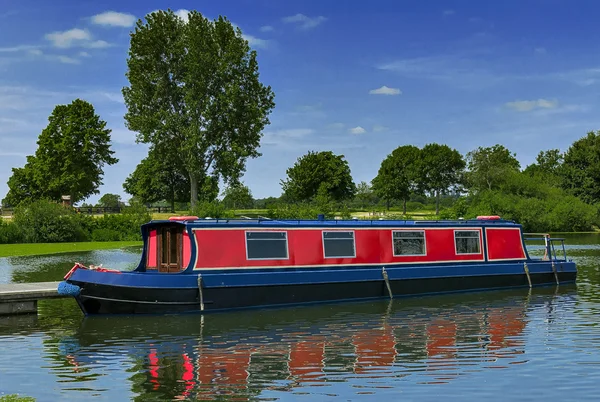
[[488, 217], [68, 289]]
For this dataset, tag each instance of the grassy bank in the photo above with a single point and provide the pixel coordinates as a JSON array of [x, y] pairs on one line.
[[14, 250]]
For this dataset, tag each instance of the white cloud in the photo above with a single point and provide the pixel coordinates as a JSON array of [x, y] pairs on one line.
[[539, 50], [97, 44], [115, 19], [303, 21], [453, 70], [36, 52], [256, 42], [357, 130], [66, 59], [19, 48], [285, 136], [384, 90], [68, 38], [183, 14], [84, 54], [377, 128], [529, 105], [75, 38], [267, 28], [113, 96], [449, 12], [13, 154]]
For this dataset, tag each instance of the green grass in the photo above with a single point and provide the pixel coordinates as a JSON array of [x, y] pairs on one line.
[[16, 398], [15, 250]]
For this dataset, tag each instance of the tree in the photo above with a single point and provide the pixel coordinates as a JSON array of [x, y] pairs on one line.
[[315, 170], [237, 195], [547, 167], [72, 151], [22, 185], [581, 168], [157, 178], [110, 201], [364, 194], [441, 167], [398, 175], [195, 95], [489, 167]]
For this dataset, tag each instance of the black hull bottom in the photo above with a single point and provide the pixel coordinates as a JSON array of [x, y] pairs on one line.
[[104, 299]]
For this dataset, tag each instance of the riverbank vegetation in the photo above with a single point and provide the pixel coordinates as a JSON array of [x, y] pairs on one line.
[[16, 398], [44, 221]]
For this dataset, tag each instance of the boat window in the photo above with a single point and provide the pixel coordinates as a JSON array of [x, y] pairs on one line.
[[409, 242], [339, 244], [266, 245], [467, 241]]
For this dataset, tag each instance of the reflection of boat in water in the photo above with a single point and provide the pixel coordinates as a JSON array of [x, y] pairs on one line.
[[191, 265], [244, 353]]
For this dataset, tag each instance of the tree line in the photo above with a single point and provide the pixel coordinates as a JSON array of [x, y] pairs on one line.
[[196, 98]]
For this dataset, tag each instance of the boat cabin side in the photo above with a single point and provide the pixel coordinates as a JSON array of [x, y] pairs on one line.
[[167, 247], [180, 245]]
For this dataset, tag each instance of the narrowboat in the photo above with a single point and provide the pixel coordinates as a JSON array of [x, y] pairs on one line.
[[201, 265]]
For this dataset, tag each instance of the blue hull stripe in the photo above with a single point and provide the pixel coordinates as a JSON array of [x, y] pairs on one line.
[[273, 277]]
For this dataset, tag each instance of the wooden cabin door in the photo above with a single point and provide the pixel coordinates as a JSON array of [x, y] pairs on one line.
[[170, 248]]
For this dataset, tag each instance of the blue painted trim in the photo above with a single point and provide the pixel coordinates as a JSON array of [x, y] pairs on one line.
[[335, 223], [274, 277]]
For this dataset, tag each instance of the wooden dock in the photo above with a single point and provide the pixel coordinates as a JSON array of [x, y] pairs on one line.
[[22, 298]]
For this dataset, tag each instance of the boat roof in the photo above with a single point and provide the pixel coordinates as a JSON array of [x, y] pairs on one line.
[[317, 223]]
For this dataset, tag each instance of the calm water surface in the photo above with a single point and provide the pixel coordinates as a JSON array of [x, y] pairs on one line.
[[496, 345]]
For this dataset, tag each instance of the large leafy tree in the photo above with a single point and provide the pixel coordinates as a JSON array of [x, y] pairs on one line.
[[72, 151], [489, 167], [238, 195], [441, 168], [194, 93], [364, 194], [319, 170], [581, 168], [22, 185], [398, 175], [547, 167], [160, 179], [109, 200]]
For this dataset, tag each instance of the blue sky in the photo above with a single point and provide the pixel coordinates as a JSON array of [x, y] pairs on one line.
[[359, 78]]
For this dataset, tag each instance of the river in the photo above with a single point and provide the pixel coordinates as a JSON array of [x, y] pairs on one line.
[[542, 344]]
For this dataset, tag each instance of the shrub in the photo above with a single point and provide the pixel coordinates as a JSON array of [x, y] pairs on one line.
[[214, 209], [47, 222], [125, 226], [297, 211], [570, 214], [9, 233], [16, 398], [555, 214]]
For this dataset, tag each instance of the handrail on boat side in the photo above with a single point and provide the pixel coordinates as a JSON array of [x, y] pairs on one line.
[[550, 250]]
